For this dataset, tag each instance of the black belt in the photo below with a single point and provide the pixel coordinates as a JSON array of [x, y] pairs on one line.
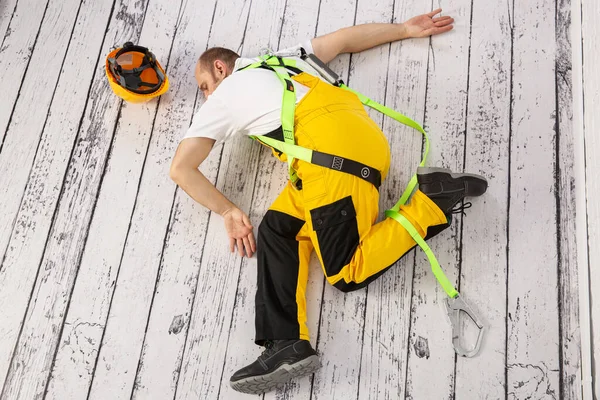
[[348, 166]]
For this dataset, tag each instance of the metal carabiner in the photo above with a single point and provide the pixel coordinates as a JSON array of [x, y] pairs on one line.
[[266, 52], [454, 306]]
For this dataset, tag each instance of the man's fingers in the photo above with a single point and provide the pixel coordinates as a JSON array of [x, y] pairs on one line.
[[240, 247], [231, 244], [252, 241], [443, 29], [445, 22], [445, 17], [247, 247], [431, 14]]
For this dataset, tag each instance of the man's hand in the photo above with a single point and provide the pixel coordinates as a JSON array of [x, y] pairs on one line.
[[426, 25], [239, 230]]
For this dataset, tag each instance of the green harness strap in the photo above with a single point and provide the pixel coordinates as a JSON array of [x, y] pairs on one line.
[[294, 151], [288, 109], [394, 211]]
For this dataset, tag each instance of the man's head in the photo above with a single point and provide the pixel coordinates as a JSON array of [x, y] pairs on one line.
[[212, 67]]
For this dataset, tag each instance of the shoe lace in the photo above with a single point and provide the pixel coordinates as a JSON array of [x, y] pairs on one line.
[[461, 208], [269, 349]]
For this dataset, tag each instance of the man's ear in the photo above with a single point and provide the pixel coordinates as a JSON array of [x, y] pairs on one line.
[[220, 69]]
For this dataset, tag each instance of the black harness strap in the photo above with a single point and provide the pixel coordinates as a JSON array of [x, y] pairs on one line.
[[348, 166]]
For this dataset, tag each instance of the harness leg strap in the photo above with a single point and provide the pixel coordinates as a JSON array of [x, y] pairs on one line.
[[454, 304]]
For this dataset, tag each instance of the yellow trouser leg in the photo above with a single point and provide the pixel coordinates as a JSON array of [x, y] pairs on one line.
[[305, 247], [283, 255], [382, 244]]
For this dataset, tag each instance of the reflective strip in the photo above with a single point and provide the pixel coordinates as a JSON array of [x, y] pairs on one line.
[[291, 150], [435, 265], [288, 105]]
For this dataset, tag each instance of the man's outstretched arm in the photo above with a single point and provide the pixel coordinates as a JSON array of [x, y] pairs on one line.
[[362, 37], [184, 171]]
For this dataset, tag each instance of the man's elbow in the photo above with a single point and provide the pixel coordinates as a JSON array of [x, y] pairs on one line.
[[176, 173]]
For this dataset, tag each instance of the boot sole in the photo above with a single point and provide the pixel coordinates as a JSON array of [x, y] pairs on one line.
[[265, 383], [434, 170], [427, 175]]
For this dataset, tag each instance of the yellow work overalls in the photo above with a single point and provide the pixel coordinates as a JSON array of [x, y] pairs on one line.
[[333, 213]]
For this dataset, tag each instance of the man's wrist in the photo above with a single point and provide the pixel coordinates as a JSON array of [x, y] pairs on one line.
[[402, 31], [225, 210], [227, 207]]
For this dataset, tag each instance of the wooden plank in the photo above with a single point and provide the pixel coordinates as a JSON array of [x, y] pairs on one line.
[[20, 262], [7, 10], [581, 223], [299, 24], [31, 110], [264, 27], [160, 361], [484, 246], [205, 349], [570, 334], [430, 340], [17, 47], [591, 93], [533, 328], [53, 156], [164, 341], [62, 252], [91, 298], [121, 343]]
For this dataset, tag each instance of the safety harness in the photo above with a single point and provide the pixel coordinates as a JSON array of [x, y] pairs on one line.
[[282, 67]]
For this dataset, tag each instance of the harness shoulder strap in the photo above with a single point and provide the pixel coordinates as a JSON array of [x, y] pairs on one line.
[[288, 105], [281, 66]]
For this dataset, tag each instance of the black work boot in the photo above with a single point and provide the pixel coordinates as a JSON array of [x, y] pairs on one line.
[[446, 189], [281, 361]]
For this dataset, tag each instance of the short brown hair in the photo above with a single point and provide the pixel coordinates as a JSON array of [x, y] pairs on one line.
[[208, 58]]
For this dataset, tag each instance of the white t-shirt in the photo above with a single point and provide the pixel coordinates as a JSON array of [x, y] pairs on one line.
[[247, 102]]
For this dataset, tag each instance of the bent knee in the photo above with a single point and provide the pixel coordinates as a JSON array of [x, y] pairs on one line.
[[346, 287]]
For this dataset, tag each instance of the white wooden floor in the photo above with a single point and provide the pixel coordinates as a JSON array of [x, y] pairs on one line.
[[114, 284]]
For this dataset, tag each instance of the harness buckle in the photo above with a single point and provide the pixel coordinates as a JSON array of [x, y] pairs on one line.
[[337, 163], [454, 306]]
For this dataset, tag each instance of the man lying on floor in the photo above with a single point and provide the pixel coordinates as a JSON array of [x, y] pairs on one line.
[[331, 209]]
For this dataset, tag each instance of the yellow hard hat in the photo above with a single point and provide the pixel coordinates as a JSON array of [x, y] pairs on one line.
[[134, 74]]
